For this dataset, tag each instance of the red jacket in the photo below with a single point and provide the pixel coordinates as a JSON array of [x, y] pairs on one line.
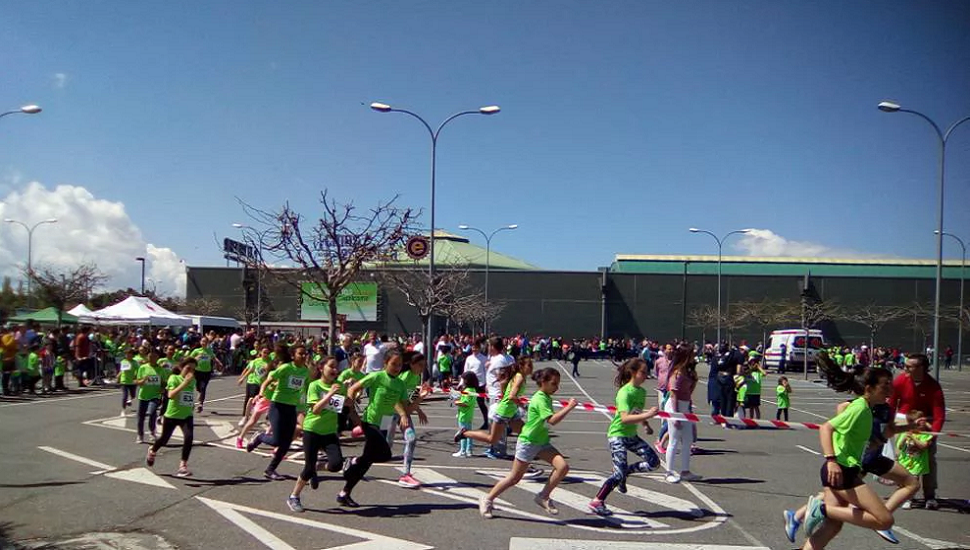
[[927, 397]]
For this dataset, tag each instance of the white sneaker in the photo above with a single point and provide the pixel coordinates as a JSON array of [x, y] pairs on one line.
[[932, 504], [907, 505], [485, 508], [672, 477], [459, 454]]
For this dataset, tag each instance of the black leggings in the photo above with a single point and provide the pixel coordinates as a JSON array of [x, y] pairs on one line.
[[482, 405], [201, 384], [376, 450], [282, 418], [252, 390], [779, 412], [312, 443], [168, 428]]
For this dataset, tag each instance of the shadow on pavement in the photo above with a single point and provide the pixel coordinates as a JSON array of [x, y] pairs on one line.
[[35, 486]]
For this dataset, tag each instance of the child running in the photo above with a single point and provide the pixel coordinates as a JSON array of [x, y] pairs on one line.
[[325, 400], [622, 435], [253, 375], [465, 403], [783, 393], [126, 379], [292, 379], [411, 378], [534, 443], [181, 398], [259, 407], [149, 382]]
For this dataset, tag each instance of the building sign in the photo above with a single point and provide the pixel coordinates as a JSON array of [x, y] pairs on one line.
[[237, 251], [357, 302], [417, 247]]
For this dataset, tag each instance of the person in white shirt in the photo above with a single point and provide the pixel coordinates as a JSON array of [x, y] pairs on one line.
[[418, 345], [374, 351], [475, 362]]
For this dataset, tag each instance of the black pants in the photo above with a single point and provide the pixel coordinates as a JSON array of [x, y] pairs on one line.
[[202, 383], [375, 450], [282, 418], [781, 367], [252, 390], [312, 443], [482, 404], [779, 412], [147, 408], [728, 396], [168, 428]]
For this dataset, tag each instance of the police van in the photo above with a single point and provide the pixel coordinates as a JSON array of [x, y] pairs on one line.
[[793, 340]]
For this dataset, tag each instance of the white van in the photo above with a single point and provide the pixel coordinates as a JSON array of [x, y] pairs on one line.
[[794, 342]]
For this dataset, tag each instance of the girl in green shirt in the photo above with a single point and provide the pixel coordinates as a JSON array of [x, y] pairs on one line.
[[181, 397], [149, 381], [534, 443], [126, 378], [292, 379]]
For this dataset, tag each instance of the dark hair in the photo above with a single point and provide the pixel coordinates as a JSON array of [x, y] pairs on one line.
[[391, 354], [626, 371], [416, 358], [469, 379], [874, 376], [854, 382], [542, 376], [283, 353], [683, 361], [921, 359], [317, 372], [496, 342]]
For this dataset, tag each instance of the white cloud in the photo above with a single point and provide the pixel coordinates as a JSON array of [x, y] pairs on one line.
[[88, 229], [59, 80], [764, 242]]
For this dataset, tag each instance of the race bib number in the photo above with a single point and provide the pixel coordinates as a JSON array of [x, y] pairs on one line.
[[386, 422], [153, 381], [125, 365], [336, 403], [261, 372], [186, 398], [295, 382]]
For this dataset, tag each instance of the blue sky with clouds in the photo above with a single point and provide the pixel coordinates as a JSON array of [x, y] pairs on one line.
[[622, 123]]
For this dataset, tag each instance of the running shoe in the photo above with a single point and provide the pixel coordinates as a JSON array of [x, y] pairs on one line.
[[597, 507], [695, 450], [460, 434], [345, 500], [672, 477], [239, 443], [533, 472], [242, 422], [907, 505], [485, 507], [813, 515], [199, 408], [621, 487], [183, 472], [273, 475], [689, 476], [546, 504], [150, 459], [932, 504], [251, 446], [140, 440], [295, 504], [660, 448], [888, 535], [791, 525], [459, 454], [314, 482], [407, 480], [489, 453]]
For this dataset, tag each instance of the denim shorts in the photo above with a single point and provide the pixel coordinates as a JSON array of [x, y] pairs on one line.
[[527, 452]]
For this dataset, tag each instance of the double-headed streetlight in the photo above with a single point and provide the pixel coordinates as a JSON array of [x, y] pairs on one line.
[[488, 251], [30, 251], [259, 277], [720, 245], [142, 260], [943, 136], [25, 110], [963, 265], [385, 108]]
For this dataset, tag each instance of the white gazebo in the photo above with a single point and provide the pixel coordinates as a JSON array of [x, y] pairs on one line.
[[138, 310]]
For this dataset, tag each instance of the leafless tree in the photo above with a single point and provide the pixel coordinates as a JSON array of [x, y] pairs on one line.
[[198, 306], [766, 314], [703, 317], [873, 317], [58, 288], [329, 252], [471, 309], [920, 317], [444, 295]]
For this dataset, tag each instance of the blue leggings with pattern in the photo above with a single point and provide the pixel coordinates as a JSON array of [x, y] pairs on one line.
[[619, 446]]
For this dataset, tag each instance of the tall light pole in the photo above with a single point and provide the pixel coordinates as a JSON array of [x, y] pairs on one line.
[[720, 245], [385, 108], [142, 260], [259, 278], [488, 252], [25, 110], [30, 252], [963, 265], [890, 107]]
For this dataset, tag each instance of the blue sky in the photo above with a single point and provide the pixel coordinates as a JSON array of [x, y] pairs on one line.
[[622, 123]]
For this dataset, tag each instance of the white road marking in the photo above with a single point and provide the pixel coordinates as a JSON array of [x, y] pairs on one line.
[[934, 544], [58, 400], [523, 543], [775, 403], [372, 541], [952, 447], [807, 450], [582, 389], [432, 480], [222, 428], [653, 497], [140, 475], [207, 401], [76, 458]]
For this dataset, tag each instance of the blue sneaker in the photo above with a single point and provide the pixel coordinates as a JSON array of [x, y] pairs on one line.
[[294, 504], [489, 453], [888, 536], [813, 515], [791, 525]]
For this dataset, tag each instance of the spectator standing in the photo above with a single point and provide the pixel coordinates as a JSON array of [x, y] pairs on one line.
[[913, 390]]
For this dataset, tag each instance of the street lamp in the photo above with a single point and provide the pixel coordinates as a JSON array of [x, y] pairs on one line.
[[385, 108], [25, 110], [30, 254], [963, 265], [259, 278], [488, 252], [891, 107], [142, 260], [720, 245]]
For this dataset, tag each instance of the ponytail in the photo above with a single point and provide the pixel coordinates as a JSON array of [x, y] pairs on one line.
[[626, 371]]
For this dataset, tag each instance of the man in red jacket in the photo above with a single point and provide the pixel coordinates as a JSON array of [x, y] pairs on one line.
[[916, 390]]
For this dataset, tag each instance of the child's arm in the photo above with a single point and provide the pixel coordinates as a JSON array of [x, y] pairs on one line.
[[833, 471], [243, 375], [325, 400], [173, 393], [559, 416], [630, 418]]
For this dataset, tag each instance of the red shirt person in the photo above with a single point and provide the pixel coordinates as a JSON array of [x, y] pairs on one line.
[[916, 390]]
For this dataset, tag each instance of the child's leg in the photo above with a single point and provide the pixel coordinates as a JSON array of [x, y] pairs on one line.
[[908, 486], [494, 433], [410, 441], [824, 535], [559, 470], [515, 475], [866, 510], [618, 456]]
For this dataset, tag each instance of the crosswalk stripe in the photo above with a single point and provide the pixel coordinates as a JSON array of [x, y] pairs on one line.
[[579, 502], [432, 480], [653, 497]]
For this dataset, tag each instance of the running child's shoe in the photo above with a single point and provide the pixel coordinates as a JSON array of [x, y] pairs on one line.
[[295, 504], [407, 480], [791, 525], [888, 535], [599, 508], [344, 499], [546, 504], [485, 507], [533, 472], [813, 515]]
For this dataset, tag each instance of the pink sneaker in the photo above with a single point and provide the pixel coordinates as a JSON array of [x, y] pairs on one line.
[[660, 448], [239, 443], [409, 482]]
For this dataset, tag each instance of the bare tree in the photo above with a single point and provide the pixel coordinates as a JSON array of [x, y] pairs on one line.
[[58, 288], [766, 314], [703, 317], [873, 317], [330, 252], [920, 317], [443, 295], [197, 306], [471, 309]]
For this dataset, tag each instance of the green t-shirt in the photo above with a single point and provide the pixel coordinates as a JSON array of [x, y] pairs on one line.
[[629, 399], [444, 363], [387, 392], [292, 382], [783, 399], [916, 461], [741, 383], [411, 382], [325, 422], [852, 430], [33, 364], [257, 371], [754, 382], [535, 430], [59, 366], [348, 374], [509, 404], [152, 388], [204, 359], [467, 409], [126, 372], [180, 406]]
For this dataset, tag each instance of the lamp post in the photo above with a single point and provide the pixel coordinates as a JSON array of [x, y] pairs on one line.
[[963, 265], [890, 107], [25, 110], [385, 108], [30, 252], [259, 278], [488, 252], [142, 260], [720, 245]]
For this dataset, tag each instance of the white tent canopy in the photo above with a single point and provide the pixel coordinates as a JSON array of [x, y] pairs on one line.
[[138, 310], [210, 321], [85, 315]]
